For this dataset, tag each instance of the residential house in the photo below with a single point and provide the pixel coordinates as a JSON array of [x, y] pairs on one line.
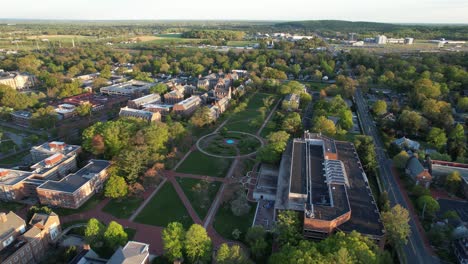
[[141, 114], [406, 143], [27, 246], [417, 172], [291, 102]]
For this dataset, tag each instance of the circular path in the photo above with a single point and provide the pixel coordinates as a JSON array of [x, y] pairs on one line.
[[226, 156]]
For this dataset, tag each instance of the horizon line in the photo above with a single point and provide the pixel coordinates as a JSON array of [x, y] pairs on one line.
[[224, 20]]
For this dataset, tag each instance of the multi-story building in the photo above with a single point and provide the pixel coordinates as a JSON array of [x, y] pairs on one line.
[[27, 246], [51, 180], [22, 118], [173, 97], [381, 39], [141, 114], [66, 110], [53, 160], [131, 89], [163, 109], [17, 80], [323, 179], [147, 99], [75, 189], [97, 102], [187, 106]]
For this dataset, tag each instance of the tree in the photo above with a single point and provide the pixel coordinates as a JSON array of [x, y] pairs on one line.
[[427, 204], [277, 142], [324, 125], [412, 122], [366, 150], [231, 255], [291, 123], [426, 88], [347, 84], [93, 231], [457, 139], [401, 159], [346, 119], [84, 109], [159, 88], [116, 187], [99, 83], [396, 223], [38, 209], [173, 239], [288, 228], [453, 182], [379, 107], [255, 239], [115, 235], [201, 117], [437, 138], [197, 244], [132, 163], [463, 103], [338, 248], [240, 205]]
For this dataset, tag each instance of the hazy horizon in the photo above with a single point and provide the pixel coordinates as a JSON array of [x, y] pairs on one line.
[[396, 11]]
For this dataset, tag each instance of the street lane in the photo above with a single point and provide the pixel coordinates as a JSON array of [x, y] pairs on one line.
[[415, 250]]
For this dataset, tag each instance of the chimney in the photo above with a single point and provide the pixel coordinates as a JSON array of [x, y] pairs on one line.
[[3, 217]]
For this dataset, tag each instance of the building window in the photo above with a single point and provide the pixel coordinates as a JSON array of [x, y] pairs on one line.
[[22, 229], [8, 241]]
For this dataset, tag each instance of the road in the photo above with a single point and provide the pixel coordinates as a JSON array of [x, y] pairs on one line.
[[415, 250]]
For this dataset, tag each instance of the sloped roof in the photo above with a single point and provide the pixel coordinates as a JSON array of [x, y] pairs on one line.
[[132, 253], [13, 222]]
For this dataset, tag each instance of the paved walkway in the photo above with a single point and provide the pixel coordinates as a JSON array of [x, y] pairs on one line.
[[152, 234], [268, 118], [262, 143]]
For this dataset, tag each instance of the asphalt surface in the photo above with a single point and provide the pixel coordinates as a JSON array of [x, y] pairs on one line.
[[415, 250]]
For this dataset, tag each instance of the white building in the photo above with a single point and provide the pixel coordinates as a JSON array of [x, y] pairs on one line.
[[381, 39]]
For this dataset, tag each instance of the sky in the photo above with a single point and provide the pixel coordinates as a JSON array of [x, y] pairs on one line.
[[397, 11]]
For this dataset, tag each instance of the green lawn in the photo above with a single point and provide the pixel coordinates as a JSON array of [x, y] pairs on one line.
[[225, 221], [199, 163], [124, 208], [250, 119], [165, 207], [89, 205], [6, 207], [15, 159], [200, 206]]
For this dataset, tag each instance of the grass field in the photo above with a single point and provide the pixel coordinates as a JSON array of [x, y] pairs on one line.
[[165, 207], [6, 207], [250, 119], [200, 206], [124, 208], [226, 222], [201, 164]]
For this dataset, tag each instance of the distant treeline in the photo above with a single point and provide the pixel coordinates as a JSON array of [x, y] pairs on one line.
[[334, 28], [214, 34]]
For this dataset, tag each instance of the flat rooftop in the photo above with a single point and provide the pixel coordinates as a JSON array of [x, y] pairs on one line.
[[365, 216], [13, 177], [74, 181], [47, 148]]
